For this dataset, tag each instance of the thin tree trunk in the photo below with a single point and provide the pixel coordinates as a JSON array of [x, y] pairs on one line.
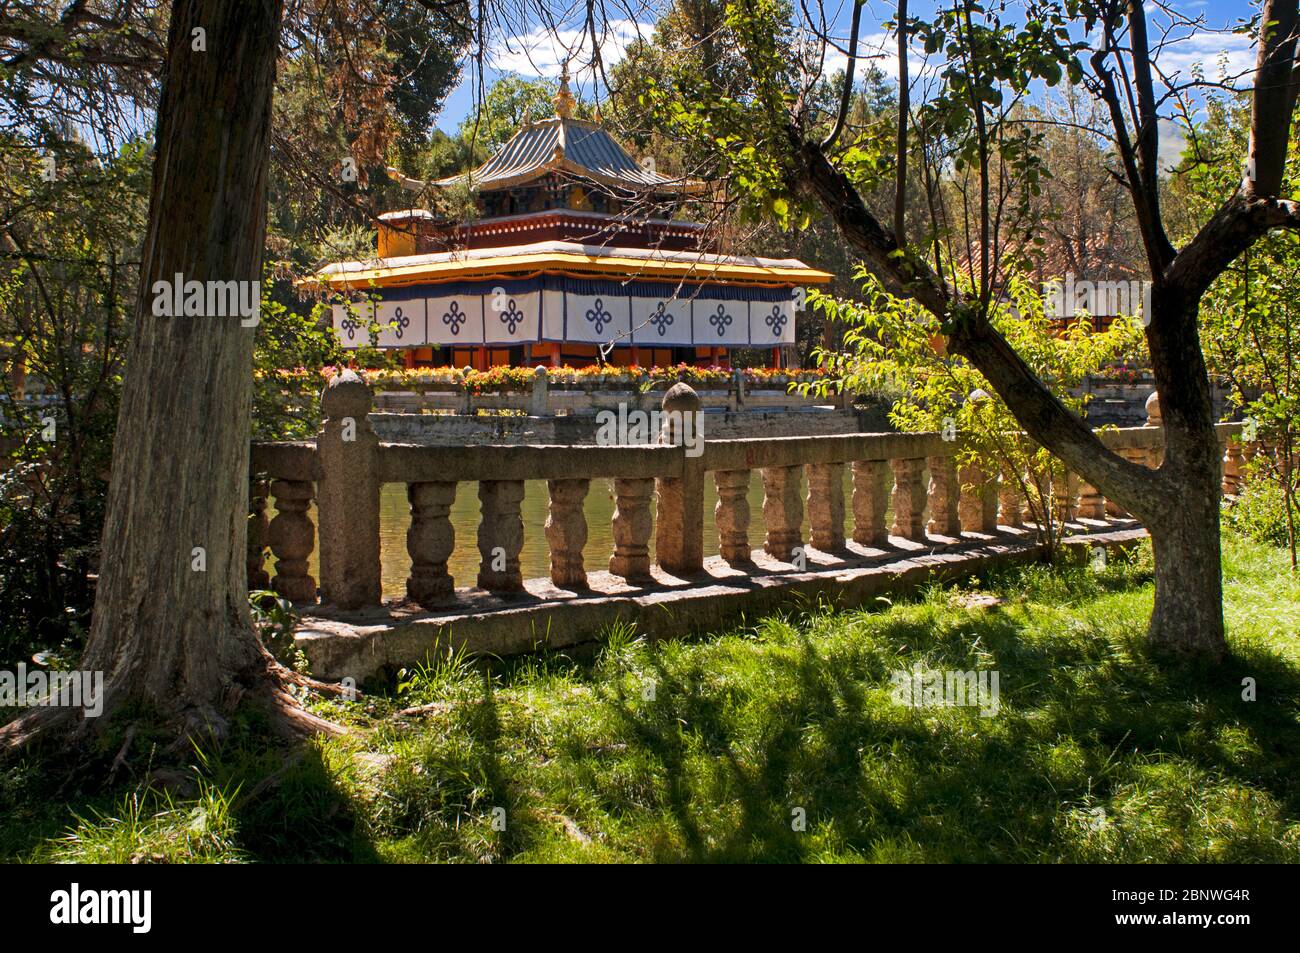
[[900, 160], [1188, 615], [1187, 618]]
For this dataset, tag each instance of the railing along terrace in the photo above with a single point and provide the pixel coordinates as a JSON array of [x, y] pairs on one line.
[[580, 395], [343, 470]]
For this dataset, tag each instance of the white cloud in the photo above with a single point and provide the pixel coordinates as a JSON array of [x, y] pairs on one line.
[[879, 49], [542, 52], [1220, 56]]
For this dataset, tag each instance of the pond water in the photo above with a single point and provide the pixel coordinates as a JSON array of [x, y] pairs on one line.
[[535, 559]]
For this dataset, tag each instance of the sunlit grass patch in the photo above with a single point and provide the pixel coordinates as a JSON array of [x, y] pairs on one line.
[[783, 740]]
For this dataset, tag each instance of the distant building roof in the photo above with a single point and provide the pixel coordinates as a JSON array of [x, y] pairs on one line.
[[574, 146], [567, 145]]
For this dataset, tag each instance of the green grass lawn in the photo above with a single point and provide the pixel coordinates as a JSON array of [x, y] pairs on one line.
[[708, 750]]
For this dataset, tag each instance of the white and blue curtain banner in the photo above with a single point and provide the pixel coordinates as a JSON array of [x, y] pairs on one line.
[[553, 308]]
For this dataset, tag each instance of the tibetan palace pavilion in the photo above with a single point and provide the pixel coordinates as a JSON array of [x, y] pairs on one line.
[[574, 252]]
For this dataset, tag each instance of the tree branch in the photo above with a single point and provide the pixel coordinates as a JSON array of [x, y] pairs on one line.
[[1274, 98], [846, 96], [1039, 412], [1148, 132]]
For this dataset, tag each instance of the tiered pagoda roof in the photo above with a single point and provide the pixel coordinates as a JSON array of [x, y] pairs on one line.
[[574, 147]]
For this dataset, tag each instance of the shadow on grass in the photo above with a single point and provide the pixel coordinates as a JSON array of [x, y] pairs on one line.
[[1082, 722], [250, 803], [748, 733], [299, 813]]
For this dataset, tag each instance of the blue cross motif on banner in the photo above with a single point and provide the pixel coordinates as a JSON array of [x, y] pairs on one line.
[[352, 327], [401, 322], [776, 320], [661, 319], [453, 317], [512, 317], [598, 316], [721, 320]]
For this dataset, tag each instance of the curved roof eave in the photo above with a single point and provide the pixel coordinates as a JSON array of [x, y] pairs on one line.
[[568, 258], [664, 184]]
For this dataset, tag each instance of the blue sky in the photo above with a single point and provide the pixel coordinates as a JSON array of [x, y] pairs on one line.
[[537, 52]]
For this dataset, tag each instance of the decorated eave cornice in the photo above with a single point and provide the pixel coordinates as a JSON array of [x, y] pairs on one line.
[[507, 311], [571, 259]]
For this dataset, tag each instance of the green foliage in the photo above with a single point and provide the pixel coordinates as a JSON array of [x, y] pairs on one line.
[[509, 102], [275, 620], [290, 352], [360, 83], [1250, 322], [67, 290], [989, 65], [894, 345], [1260, 511], [739, 125]]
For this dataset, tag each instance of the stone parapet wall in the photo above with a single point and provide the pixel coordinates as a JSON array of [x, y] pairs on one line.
[[907, 493], [482, 430]]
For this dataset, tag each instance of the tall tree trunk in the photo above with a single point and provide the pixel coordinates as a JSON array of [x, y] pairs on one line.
[[1187, 619], [1184, 522], [171, 627]]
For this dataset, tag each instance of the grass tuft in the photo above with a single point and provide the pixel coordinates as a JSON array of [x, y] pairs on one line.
[[781, 740]]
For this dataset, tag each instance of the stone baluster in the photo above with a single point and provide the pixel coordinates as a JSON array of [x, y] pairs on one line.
[[292, 537], [1065, 495], [909, 498], [258, 534], [1011, 500], [347, 450], [1233, 461], [679, 537], [870, 501], [537, 404], [430, 540], [1037, 498], [731, 514], [826, 506], [566, 532], [1151, 456], [945, 497], [633, 525], [978, 509], [782, 511], [500, 535], [1092, 505]]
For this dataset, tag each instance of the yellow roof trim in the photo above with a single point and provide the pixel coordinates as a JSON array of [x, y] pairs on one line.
[[577, 265]]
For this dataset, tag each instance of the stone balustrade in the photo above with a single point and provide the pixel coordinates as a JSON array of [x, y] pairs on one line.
[[906, 489]]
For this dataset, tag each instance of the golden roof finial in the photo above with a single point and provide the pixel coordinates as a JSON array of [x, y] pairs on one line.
[[564, 101]]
